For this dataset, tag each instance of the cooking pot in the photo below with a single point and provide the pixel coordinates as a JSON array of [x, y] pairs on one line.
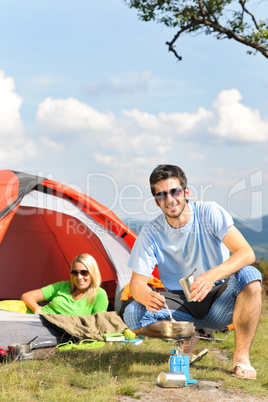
[[17, 349], [177, 329]]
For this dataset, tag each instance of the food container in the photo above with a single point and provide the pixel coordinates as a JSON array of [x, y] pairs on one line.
[[177, 329]]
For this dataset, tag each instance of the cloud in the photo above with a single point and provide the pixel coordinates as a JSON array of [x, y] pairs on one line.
[[127, 84], [237, 122], [10, 104], [15, 146], [69, 115], [169, 123], [136, 135], [52, 145], [194, 155]]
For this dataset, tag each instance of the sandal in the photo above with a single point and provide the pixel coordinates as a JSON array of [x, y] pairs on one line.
[[65, 346], [89, 344], [244, 367], [197, 355], [82, 345]]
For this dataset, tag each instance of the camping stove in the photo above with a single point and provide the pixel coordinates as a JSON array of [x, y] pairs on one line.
[[179, 364]]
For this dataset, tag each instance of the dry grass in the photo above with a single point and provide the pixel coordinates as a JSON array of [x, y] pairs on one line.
[[106, 373]]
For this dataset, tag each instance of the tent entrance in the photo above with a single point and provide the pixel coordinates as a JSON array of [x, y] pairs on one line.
[[39, 246]]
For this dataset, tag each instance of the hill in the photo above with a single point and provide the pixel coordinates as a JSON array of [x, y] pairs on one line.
[[255, 231], [257, 239]]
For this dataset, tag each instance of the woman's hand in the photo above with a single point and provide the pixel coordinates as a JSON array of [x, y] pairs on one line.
[[38, 310], [32, 298]]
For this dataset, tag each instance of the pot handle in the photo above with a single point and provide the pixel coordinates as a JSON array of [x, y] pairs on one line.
[[210, 339], [31, 341]]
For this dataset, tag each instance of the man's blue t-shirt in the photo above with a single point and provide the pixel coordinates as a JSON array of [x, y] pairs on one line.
[[177, 252]]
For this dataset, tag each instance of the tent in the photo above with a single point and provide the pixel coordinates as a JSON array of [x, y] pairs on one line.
[[22, 328], [45, 224]]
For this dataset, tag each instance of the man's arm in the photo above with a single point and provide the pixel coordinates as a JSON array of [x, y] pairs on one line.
[[242, 255], [142, 293]]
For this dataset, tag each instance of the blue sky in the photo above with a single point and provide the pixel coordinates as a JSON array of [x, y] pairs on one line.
[[91, 97]]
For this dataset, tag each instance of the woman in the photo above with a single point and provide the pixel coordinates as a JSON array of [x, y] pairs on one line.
[[80, 296]]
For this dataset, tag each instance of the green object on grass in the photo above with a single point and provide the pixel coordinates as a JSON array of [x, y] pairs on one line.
[[113, 335], [85, 344]]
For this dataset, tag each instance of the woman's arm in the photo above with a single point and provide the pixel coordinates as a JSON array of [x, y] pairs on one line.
[[32, 298]]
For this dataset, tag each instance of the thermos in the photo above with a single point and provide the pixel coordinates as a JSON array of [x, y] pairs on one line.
[[171, 380]]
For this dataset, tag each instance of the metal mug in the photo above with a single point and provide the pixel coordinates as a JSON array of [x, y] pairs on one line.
[[186, 284]]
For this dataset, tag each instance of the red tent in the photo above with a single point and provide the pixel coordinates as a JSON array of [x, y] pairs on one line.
[[44, 225]]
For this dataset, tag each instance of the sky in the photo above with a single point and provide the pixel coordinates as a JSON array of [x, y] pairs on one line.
[[91, 97]]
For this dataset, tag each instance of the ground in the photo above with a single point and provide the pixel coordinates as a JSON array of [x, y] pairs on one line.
[[202, 391]]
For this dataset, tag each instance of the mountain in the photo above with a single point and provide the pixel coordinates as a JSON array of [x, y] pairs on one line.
[[255, 232], [257, 235]]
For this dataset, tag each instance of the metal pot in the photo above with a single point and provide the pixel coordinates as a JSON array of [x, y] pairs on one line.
[[17, 349], [177, 329]]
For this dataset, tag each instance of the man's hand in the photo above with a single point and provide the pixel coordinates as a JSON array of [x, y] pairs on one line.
[[141, 292], [202, 286], [154, 301]]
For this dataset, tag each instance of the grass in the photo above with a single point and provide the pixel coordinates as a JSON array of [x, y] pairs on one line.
[[105, 373]]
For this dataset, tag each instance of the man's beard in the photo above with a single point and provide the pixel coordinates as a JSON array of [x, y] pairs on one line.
[[179, 214]]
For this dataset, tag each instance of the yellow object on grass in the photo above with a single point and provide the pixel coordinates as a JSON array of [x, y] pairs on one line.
[[16, 306], [129, 335]]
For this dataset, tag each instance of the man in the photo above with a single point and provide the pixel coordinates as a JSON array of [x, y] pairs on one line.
[[185, 236]]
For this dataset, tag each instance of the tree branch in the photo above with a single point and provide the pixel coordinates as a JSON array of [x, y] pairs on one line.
[[196, 16], [249, 13], [231, 35], [171, 44]]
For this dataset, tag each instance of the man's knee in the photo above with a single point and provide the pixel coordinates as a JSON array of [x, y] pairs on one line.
[[252, 289]]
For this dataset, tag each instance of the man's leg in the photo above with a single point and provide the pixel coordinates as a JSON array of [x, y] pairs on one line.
[[153, 330], [245, 319], [134, 317], [240, 304]]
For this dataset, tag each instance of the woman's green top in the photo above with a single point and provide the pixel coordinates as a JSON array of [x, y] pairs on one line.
[[61, 301]]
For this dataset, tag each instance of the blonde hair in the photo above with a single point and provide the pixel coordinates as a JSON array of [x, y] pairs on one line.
[[91, 266]]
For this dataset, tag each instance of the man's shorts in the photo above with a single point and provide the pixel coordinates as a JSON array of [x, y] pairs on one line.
[[219, 316]]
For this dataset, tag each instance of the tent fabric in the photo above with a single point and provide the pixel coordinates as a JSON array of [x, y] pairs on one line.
[[22, 328], [45, 224]]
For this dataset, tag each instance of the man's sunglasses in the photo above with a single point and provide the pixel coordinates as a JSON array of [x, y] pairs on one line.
[[174, 192], [83, 272]]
